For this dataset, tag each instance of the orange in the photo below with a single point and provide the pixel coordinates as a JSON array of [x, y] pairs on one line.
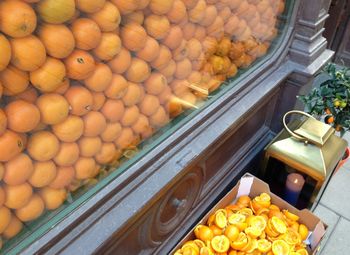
[[169, 70], [22, 116], [56, 11], [231, 232], [149, 105], [84, 168], [117, 87], [28, 53], [67, 154], [108, 17], [51, 36], [263, 245], [53, 198], [70, 130], [11, 144], [80, 100], [203, 233], [17, 196], [179, 86], [278, 225], [133, 94], [89, 146], [194, 49], [43, 174], [160, 118], [216, 230], [225, 13], [5, 49], [303, 231], [49, 76], [200, 33], [5, 218], [216, 29], [113, 110], [157, 26], [280, 247], [220, 243], [2, 196], [177, 13], [209, 46], [100, 78], [161, 7], [63, 178], [43, 145], [80, 65], [290, 215], [107, 154], [32, 210], [133, 36], [137, 17], [183, 68], [180, 52], [188, 30], [109, 46], [30, 95], [142, 127], [125, 139], [130, 116], [14, 227], [150, 51], [53, 108], [3, 122], [190, 3], [163, 58], [18, 19], [98, 99], [126, 6], [90, 6], [62, 87], [292, 237], [173, 38], [240, 242], [238, 220], [276, 213], [220, 218], [196, 14], [94, 124], [210, 14], [138, 71], [111, 132], [273, 207], [155, 84], [302, 251], [87, 33], [121, 62], [18, 169]]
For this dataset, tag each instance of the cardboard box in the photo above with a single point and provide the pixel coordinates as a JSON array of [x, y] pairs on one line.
[[252, 186]]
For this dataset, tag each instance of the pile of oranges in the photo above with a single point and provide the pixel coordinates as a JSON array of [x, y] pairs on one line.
[[84, 81], [251, 226]]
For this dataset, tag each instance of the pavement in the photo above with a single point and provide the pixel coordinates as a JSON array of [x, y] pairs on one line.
[[334, 210]]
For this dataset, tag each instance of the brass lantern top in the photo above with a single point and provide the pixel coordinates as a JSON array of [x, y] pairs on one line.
[[312, 148]]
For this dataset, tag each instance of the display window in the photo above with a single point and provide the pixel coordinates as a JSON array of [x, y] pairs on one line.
[[89, 87]]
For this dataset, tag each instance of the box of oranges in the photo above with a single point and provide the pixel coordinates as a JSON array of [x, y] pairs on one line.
[[252, 220]]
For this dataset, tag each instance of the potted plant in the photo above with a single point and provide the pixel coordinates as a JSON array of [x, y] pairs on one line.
[[331, 99]]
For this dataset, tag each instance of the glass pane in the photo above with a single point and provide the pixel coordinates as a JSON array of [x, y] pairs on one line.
[[89, 87]]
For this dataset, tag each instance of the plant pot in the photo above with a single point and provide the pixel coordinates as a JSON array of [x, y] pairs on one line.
[[344, 159]]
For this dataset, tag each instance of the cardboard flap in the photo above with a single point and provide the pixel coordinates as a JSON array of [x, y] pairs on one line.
[[317, 235], [245, 185]]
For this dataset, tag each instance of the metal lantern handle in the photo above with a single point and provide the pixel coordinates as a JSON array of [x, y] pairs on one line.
[[290, 131]]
